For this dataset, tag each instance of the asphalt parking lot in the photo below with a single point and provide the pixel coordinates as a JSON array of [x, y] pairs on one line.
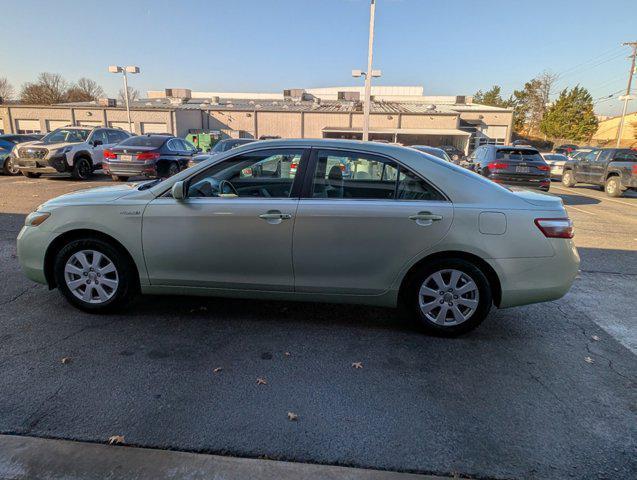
[[543, 391]]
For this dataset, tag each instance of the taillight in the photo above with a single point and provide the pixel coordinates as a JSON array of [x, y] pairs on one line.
[[294, 166], [555, 227], [635, 169], [497, 165], [543, 168], [109, 154], [148, 156]]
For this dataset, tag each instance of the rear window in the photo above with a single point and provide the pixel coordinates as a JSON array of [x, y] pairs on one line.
[[558, 157], [144, 141], [513, 154]]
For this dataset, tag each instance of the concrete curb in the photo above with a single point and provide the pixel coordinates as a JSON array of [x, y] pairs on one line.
[[43, 459]]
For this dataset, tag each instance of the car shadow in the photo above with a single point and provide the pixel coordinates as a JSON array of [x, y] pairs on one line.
[[577, 199]]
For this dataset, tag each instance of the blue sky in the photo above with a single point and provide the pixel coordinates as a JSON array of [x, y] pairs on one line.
[[448, 46]]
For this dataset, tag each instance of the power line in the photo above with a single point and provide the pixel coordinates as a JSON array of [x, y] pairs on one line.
[[590, 60]]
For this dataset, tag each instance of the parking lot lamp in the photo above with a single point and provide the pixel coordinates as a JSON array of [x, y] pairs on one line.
[[124, 71]]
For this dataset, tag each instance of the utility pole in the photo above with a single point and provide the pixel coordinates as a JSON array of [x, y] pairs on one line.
[[627, 97], [368, 78]]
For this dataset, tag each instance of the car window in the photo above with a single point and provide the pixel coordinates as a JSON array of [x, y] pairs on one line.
[[412, 187], [626, 156], [174, 145], [71, 135], [116, 136], [590, 156], [513, 154], [188, 147], [354, 175], [144, 141], [264, 173], [99, 135], [604, 156]]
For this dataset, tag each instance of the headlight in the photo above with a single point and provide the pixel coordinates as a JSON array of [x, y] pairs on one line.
[[36, 218], [63, 150]]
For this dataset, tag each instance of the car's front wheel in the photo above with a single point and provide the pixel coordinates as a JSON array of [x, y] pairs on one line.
[[82, 168], [10, 168], [613, 186], [93, 275], [449, 296], [568, 180]]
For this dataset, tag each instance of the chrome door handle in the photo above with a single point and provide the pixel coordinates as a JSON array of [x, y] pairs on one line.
[[425, 216], [275, 216]]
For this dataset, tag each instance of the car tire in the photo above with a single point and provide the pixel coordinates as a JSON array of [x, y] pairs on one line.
[[613, 187], [82, 168], [568, 180], [10, 168], [173, 169], [113, 268], [430, 293], [119, 178], [32, 175]]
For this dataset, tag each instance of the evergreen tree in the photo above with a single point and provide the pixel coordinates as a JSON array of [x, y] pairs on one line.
[[571, 117]]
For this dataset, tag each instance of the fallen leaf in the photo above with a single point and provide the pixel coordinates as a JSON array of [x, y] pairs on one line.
[[116, 439], [217, 370], [293, 417], [357, 365], [595, 337], [66, 360], [287, 354], [262, 381], [589, 360]]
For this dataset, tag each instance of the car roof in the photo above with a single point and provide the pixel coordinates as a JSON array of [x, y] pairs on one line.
[[426, 147]]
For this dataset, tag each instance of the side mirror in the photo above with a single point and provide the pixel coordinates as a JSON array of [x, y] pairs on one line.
[[179, 190], [97, 143]]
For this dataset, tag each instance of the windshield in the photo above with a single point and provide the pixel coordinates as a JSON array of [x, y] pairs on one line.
[[67, 135], [556, 157], [155, 141]]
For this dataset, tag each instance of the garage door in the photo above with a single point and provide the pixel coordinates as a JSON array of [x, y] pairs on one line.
[[122, 125], [53, 124], [27, 126], [148, 127], [90, 123]]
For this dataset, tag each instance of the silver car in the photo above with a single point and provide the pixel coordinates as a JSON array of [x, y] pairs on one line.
[[315, 220]]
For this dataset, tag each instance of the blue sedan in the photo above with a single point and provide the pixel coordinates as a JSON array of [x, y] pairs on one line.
[[7, 142]]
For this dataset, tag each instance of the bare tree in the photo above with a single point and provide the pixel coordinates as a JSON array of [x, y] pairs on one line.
[[49, 88], [133, 95], [6, 89], [85, 90], [532, 102]]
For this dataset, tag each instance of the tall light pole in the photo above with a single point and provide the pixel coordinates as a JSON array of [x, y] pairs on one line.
[[125, 70], [369, 73], [627, 97]]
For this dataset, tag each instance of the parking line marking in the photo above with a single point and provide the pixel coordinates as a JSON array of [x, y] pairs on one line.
[[579, 210], [596, 197]]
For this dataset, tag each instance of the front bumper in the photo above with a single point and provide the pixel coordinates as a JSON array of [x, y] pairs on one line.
[[55, 164], [557, 171], [32, 244]]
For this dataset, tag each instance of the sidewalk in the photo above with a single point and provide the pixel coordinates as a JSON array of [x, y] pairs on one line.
[[39, 459]]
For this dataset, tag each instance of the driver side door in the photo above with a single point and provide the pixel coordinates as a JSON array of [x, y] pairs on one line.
[[234, 228]]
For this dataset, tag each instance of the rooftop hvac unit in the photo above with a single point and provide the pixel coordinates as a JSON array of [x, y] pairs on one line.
[[461, 100], [349, 96], [214, 100], [296, 93], [107, 102], [179, 93]]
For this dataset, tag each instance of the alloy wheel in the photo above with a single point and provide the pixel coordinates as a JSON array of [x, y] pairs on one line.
[[448, 297], [11, 167], [91, 276]]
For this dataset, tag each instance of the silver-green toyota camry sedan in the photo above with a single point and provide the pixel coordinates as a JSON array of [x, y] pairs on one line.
[[315, 220]]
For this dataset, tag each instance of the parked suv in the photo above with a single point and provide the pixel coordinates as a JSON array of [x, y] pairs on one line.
[[7, 144], [614, 169], [515, 166], [76, 150], [148, 155]]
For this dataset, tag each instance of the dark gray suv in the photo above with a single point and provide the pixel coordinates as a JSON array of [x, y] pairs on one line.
[[514, 166]]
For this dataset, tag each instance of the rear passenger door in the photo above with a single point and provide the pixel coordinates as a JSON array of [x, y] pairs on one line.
[[597, 167], [99, 140], [361, 219], [583, 170]]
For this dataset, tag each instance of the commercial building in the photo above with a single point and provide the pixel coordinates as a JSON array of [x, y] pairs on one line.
[[398, 114]]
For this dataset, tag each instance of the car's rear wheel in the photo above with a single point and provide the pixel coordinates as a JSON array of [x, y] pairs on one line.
[[94, 276], [82, 168], [32, 174], [10, 168], [119, 178], [613, 186], [449, 296], [568, 180], [173, 169]]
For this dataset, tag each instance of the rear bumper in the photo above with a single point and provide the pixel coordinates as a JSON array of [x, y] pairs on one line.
[[533, 280], [539, 183], [130, 169]]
